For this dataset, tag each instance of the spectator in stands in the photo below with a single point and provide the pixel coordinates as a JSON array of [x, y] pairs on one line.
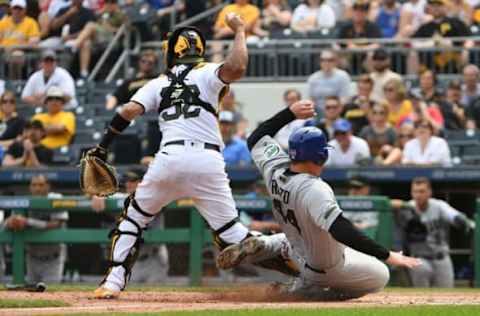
[[11, 124], [230, 103], [473, 114], [422, 111], [460, 9], [249, 13], [358, 107], [439, 29], [398, 105], [4, 7], [328, 81], [412, 16], [393, 155], [290, 96], [454, 98], [359, 27], [152, 264], [312, 16], [347, 150], [147, 70], [165, 9], [471, 84], [45, 262], [381, 73], [236, 151], [379, 134], [428, 88], [333, 112], [18, 29], [67, 24], [59, 124], [96, 34], [388, 18], [49, 75], [276, 17], [425, 223], [425, 148], [29, 151]]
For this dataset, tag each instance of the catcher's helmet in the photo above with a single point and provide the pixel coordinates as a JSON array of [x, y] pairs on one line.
[[308, 144], [185, 45]]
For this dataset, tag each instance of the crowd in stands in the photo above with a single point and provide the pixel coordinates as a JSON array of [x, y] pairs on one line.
[[373, 117]]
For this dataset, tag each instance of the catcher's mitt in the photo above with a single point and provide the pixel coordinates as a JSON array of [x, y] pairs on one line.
[[96, 176]]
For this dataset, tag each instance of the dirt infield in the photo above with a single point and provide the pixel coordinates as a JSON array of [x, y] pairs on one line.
[[136, 301]]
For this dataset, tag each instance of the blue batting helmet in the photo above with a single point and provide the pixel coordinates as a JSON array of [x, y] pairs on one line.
[[308, 144]]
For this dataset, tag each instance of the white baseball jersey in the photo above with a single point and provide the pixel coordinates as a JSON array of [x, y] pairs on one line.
[[186, 121], [303, 205]]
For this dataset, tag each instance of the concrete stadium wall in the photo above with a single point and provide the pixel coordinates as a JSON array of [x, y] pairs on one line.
[[260, 100]]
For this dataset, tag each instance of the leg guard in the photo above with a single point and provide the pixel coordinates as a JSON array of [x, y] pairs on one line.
[[126, 226], [272, 258]]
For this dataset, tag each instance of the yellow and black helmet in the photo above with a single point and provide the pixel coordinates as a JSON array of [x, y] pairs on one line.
[[185, 45]]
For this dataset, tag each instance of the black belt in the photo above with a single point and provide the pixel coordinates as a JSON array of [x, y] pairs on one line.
[[313, 269], [183, 142], [438, 256]]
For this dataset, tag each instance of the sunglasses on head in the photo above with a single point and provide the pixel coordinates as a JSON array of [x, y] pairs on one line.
[[379, 112]]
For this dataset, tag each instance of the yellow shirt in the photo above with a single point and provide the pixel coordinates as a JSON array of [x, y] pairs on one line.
[[405, 109], [65, 118], [249, 13], [17, 34]]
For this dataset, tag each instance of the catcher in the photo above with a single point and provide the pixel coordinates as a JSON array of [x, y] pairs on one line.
[[189, 162]]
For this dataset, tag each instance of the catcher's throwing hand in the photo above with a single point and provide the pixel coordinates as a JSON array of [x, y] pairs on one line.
[[16, 223], [97, 177], [398, 259], [303, 109], [235, 22]]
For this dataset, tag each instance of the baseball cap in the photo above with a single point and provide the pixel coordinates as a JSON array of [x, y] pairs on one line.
[[357, 183], [49, 54], [55, 92], [361, 4], [18, 3], [380, 54], [342, 125], [437, 1], [34, 124], [226, 117]]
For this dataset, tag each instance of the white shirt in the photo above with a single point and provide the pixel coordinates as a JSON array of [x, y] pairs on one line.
[[282, 136], [2, 87], [379, 81], [60, 78], [55, 6], [436, 152], [201, 125], [325, 15], [357, 151]]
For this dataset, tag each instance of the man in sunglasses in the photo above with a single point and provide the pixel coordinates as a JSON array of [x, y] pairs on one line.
[[147, 70], [347, 149]]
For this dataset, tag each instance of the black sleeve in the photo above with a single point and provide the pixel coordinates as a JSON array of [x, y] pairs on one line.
[[343, 231], [15, 150], [271, 126]]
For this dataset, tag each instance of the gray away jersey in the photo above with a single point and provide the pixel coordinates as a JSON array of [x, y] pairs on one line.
[[427, 232], [303, 205]]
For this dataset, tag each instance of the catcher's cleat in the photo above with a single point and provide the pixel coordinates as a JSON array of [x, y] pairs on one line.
[[233, 255], [106, 294]]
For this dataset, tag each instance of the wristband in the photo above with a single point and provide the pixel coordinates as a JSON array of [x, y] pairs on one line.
[[117, 125], [36, 223]]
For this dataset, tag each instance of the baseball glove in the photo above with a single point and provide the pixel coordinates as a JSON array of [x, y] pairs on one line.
[[97, 177]]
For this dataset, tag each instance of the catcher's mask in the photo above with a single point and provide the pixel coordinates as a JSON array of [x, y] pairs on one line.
[[185, 45]]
